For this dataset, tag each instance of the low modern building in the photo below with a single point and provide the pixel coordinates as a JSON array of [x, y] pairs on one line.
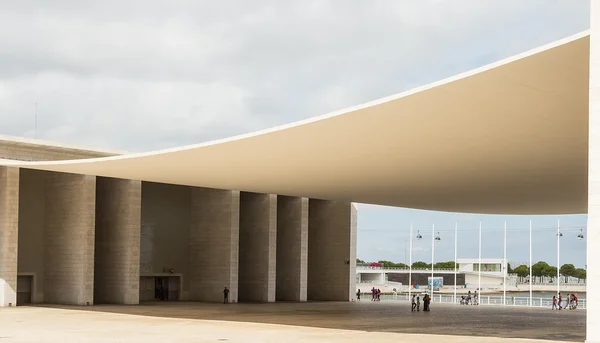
[[467, 275], [84, 239]]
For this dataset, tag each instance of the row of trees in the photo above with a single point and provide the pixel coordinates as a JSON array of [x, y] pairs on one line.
[[544, 269], [417, 265], [539, 269]]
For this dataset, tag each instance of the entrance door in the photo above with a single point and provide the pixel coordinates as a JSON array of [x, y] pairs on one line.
[[161, 288], [24, 288]]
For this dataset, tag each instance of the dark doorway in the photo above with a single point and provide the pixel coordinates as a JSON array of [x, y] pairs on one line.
[[24, 289], [161, 288]]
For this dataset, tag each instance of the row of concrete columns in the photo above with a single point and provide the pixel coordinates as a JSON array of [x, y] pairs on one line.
[[263, 247]]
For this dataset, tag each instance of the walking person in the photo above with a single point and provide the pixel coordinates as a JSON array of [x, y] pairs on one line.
[[418, 303], [225, 296], [554, 306], [358, 295], [476, 298], [373, 293], [413, 302], [559, 301]]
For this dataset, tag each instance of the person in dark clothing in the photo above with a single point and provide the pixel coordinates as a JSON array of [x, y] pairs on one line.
[[225, 296]]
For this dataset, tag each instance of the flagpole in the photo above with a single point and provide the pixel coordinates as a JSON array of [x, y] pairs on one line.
[[410, 262], [505, 268], [530, 269], [455, 255], [558, 257], [479, 274], [432, 256]]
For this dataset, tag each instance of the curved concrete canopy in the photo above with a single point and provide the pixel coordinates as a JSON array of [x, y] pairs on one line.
[[510, 137]]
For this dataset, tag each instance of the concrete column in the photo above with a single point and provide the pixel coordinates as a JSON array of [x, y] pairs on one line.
[[331, 250], [214, 237], [69, 240], [593, 232], [258, 241], [9, 234], [117, 242], [292, 248]]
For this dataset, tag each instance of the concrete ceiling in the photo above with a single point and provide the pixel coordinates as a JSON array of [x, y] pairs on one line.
[[511, 137]]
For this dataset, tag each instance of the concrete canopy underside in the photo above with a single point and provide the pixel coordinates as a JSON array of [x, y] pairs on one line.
[[510, 137]]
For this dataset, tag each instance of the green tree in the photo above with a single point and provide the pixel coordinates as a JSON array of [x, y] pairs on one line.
[[390, 264], [567, 270], [445, 265], [521, 271], [551, 271], [386, 264], [540, 269], [580, 273], [421, 264], [359, 261]]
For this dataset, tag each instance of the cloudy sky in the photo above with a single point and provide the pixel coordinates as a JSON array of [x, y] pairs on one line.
[[144, 75]]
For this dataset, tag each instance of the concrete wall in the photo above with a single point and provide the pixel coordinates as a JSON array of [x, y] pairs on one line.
[[12, 150], [593, 232], [166, 231], [292, 248], [258, 242], [117, 248], [331, 250], [32, 218], [9, 234], [214, 249], [69, 239]]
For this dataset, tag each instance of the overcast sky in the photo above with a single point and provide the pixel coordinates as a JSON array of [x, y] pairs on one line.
[[144, 75]]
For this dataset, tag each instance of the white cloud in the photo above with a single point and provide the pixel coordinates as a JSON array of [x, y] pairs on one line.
[[141, 75]]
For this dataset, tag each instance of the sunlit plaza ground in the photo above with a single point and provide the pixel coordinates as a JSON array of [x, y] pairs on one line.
[[386, 321]]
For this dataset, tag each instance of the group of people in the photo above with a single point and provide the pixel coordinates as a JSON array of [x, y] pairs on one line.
[[571, 302], [375, 293], [470, 299], [416, 303]]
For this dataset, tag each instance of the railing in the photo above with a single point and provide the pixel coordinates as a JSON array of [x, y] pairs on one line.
[[483, 300]]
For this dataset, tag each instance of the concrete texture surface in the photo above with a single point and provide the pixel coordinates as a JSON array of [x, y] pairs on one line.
[[165, 234], [69, 239], [331, 247], [214, 248], [258, 244], [593, 210], [309, 322], [9, 234], [117, 247], [292, 248]]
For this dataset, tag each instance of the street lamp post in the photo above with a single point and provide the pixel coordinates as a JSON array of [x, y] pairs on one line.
[[530, 267], [432, 256], [505, 266], [558, 235], [434, 238], [479, 274], [410, 262]]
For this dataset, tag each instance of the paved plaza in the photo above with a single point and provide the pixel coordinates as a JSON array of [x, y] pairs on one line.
[[292, 322]]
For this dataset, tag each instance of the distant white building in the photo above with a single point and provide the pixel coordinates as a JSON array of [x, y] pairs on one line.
[[492, 271]]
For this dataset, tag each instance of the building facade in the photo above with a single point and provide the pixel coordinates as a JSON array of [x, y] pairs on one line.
[[84, 239]]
